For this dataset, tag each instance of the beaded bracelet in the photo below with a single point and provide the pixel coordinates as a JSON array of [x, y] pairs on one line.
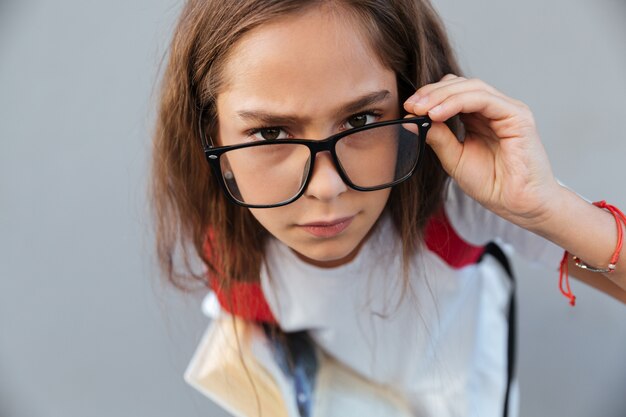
[[563, 271]]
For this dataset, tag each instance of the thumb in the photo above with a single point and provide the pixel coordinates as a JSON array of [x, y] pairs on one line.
[[446, 146]]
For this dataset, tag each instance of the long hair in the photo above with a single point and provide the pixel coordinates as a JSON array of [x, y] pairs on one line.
[[192, 216]]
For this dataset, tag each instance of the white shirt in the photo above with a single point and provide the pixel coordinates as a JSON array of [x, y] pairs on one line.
[[442, 342]]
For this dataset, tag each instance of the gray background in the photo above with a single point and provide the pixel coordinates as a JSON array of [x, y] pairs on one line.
[[87, 327]]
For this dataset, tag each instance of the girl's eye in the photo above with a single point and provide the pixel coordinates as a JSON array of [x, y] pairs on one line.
[[269, 133], [359, 120]]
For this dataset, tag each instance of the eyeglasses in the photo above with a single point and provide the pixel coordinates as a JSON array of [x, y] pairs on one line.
[[273, 173]]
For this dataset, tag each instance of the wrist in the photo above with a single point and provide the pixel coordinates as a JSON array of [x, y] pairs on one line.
[[556, 215], [580, 227], [546, 213]]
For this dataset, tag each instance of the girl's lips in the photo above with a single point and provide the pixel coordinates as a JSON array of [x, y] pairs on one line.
[[327, 229]]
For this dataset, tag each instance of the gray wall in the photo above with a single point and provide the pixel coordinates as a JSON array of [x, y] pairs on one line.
[[86, 326]]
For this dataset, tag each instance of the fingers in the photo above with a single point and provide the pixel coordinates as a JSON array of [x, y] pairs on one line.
[[490, 106], [446, 146], [453, 95], [443, 142], [429, 88], [453, 83]]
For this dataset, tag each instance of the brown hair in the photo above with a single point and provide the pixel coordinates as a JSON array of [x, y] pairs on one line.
[[191, 213]]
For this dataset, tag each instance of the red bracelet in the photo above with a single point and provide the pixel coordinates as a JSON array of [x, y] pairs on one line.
[[563, 272]]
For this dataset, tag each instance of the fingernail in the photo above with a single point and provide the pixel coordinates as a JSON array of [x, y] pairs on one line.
[[417, 100], [436, 109], [413, 99]]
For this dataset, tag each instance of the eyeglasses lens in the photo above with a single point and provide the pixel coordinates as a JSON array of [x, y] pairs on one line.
[[276, 172]]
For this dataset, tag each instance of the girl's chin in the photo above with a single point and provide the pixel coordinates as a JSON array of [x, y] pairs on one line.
[[329, 261]]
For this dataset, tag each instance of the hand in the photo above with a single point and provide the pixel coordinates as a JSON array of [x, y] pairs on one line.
[[501, 163]]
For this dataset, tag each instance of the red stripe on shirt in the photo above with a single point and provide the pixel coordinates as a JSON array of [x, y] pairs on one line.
[[442, 239], [246, 299]]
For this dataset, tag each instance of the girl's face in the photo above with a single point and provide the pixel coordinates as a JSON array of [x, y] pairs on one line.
[[309, 76]]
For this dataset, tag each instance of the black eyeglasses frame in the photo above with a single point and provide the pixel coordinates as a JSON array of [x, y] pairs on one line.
[[213, 153]]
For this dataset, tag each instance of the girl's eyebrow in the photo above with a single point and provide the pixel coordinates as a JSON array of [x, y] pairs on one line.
[[353, 106], [266, 118], [365, 101]]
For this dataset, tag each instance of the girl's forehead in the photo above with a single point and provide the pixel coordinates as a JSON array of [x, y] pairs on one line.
[[315, 31], [306, 61]]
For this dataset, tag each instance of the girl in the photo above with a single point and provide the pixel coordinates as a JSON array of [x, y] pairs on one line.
[[337, 176]]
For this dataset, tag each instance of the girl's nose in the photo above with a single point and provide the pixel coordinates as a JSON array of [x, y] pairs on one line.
[[325, 183]]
